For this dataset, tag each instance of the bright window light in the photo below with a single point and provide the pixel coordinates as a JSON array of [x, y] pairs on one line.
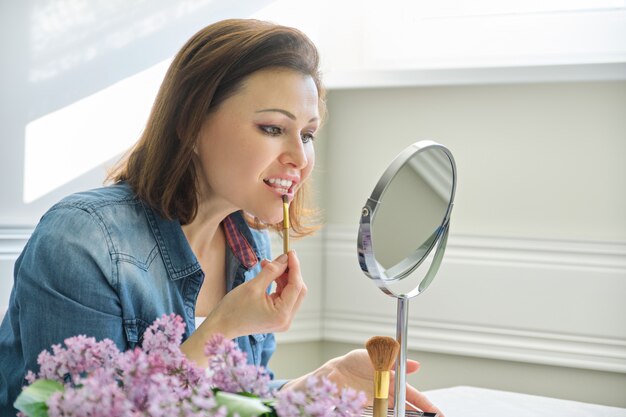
[[69, 142]]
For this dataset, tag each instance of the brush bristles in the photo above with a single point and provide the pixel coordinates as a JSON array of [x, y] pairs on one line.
[[382, 351]]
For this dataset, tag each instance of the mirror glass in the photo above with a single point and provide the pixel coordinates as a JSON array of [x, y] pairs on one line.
[[411, 209], [408, 217]]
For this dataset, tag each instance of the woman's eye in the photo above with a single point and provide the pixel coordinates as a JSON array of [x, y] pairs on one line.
[[271, 130], [307, 137]]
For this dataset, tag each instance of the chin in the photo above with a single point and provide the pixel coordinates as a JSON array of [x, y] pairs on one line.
[[269, 218], [272, 220]]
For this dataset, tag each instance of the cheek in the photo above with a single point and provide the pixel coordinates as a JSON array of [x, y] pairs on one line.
[[310, 156]]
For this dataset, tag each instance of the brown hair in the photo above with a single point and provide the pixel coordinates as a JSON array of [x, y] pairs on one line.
[[208, 69]]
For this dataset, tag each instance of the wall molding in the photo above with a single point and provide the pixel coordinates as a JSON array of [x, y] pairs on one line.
[[12, 240], [510, 250], [471, 248], [306, 327], [344, 324], [602, 354], [552, 259]]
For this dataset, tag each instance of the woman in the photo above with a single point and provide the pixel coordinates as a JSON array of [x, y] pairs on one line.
[[180, 230]]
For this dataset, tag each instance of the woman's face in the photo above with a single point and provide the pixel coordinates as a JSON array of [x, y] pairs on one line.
[[258, 144]]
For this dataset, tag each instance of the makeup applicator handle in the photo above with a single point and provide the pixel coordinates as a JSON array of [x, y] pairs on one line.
[[380, 407], [381, 393], [286, 224]]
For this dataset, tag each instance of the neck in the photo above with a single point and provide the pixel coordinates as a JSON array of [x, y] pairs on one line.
[[200, 234], [202, 231]]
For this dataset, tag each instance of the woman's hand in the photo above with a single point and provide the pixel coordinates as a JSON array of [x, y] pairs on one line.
[[249, 309], [355, 370]]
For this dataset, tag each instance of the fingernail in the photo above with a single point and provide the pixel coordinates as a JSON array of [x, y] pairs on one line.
[[282, 258]]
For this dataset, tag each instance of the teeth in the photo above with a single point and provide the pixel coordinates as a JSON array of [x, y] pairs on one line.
[[280, 182]]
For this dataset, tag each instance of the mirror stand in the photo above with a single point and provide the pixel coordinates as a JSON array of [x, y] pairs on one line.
[[411, 206], [401, 334], [402, 326]]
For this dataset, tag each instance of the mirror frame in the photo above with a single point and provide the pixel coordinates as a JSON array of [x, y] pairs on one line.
[[383, 277]]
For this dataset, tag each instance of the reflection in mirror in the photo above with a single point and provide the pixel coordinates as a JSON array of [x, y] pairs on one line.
[[411, 211]]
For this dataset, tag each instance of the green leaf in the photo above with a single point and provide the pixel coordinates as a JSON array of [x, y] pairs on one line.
[[242, 405], [32, 399], [270, 402], [247, 394]]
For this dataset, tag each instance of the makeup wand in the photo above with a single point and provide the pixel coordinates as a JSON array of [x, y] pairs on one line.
[[286, 225], [383, 352]]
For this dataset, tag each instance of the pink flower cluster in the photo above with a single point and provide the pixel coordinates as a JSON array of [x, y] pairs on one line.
[[229, 371], [158, 380], [321, 399]]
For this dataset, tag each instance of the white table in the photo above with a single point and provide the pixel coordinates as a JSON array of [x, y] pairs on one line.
[[480, 402]]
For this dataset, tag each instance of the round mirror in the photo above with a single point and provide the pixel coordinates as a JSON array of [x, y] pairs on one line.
[[405, 221]]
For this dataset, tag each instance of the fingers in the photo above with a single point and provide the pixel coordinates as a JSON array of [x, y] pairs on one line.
[[272, 270], [421, 401], [301, 296], [294, 287], [290, 288], [412, 366]]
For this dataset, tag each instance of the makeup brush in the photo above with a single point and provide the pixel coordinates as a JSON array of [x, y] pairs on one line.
[[286, 225], [382, 351]]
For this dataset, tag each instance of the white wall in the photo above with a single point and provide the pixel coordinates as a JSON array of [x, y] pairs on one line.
[[536, 267]]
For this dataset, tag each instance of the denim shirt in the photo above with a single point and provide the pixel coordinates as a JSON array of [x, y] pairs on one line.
[[104, 264]]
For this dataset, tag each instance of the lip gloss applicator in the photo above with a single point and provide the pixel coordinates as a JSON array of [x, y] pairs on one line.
[[286, 225]]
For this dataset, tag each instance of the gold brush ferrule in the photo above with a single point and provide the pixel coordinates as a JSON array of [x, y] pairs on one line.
[[286, 225], [381, 384]]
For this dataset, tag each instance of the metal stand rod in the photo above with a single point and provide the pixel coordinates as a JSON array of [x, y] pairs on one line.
[[401, 331]]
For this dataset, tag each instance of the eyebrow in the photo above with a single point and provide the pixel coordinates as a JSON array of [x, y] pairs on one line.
[[285, 112]]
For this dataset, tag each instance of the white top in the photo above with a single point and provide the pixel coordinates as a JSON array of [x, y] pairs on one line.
[[199, 321], [480, 402]]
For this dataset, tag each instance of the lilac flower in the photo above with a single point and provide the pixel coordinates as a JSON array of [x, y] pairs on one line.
[[200, 402], [157, 380], [229, 371], [351, 403], [81, 355], [321, 399], [165, 334], [161, 341], [97, 396]]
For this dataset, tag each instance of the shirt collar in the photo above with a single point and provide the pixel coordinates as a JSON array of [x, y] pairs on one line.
[[240, 239], [178, 257]]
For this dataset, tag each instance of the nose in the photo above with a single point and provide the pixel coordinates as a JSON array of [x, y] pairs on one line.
[[294, 154]]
